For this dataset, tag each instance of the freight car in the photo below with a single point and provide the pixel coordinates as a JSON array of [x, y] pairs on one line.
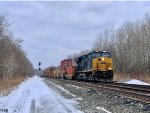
[[70, 72], [56, 72], [97, 66], [64, 64], [49, 72]]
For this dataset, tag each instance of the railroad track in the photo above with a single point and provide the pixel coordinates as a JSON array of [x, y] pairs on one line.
[[139, 93]]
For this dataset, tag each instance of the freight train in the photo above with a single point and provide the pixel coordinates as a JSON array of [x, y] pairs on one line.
[[95, 66]]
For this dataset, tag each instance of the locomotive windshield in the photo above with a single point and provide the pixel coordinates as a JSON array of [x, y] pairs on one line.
[[101, 54], [96, 55], [106, 54]]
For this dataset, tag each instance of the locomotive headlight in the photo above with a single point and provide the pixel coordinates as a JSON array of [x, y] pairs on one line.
[[109, 68]]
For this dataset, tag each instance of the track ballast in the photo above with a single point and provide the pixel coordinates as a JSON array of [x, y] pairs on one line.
[[134, 92]]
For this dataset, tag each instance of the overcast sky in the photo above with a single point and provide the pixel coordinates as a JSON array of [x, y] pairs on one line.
[[53, 30]]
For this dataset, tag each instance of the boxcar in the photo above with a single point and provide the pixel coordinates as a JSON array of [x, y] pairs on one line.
[[64, 64], [48, 72], [70, 72]]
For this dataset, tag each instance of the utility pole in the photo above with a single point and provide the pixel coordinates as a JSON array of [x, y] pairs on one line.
[[39, 73]]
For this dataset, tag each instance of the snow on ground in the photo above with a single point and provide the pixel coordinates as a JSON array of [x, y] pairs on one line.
[[103, 109], [134, 81], [64, 90], [70, 85], [45, 99]]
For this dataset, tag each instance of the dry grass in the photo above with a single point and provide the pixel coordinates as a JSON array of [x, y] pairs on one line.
[[8, 84], [142, 77]]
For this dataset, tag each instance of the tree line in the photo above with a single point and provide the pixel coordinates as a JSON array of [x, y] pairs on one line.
[[129, 46], [13, 60]]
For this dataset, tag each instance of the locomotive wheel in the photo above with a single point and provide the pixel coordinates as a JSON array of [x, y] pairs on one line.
[[96, 77], [89, 77]]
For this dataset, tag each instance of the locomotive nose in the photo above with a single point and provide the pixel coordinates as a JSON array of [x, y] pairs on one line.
[[102, 65]]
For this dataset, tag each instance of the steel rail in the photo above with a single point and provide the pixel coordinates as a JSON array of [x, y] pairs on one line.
[[129, 91]]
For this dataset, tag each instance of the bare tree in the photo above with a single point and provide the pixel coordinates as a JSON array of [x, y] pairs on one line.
[[13, 61], [129, 45]]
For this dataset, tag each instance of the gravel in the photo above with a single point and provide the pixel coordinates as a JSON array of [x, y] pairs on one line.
[[92, 101]]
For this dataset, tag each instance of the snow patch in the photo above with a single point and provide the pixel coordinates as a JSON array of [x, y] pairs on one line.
[[79, 98], [138, 82], [103, 109], [46, 100], [64, 90], [70, 85]]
